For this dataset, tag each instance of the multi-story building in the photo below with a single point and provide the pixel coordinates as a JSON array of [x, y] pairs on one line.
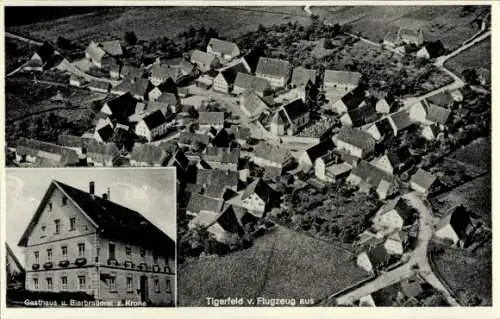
[[80, 242]]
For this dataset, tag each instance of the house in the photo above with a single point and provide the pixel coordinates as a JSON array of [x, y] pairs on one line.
[[49, 154], [99, 57], [224, 81], [249, 83], [430, 132], [384, 105], [275, 71], [383, 189], [73, 142], [455, 226], [375, 132], [445, 99], [192, 140], [396, 242], [268, 155], [167, 88], [131, 72], [222, 158], [431, 50], [216, 181], [290, 118], [207, 120], [351, 100], [426, 112], [45, 58], [373, 259], [400, 122], [16, 274], [258, 197], [308, 157], [367, 176], [222, 139], [135, 259], [330, 171], [137, 87], [341, 80], [103, 134], [301, 76], [411, 36], [204, 61], [77, 81], [396, 214], [355, 141], [456, 95], [225, 50], [120, 107], [224, 226], [100, 154], [253, 105], [251, 59], [241, 134], [152, 126], [394, 161], [162, 72], [422, 181], [112, 47], [198, 202], [147, 155], [359, 116], [98, 86]]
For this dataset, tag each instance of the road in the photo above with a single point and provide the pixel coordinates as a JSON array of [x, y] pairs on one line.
[[418, 261]]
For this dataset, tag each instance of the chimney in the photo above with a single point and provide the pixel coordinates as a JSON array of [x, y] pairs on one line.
[[91, 188], [105, 196], [108, 195]]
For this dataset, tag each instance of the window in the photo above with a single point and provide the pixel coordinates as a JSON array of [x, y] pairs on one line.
[[167, 285], [157, 285], [143, 253], [81, 250], [129, 284], [72, 222], [155, 259], [49, 283], [112, 284], [36, 254], [64, 283], [49, 254], [64, 200], [35, 283], [49, 205], [64, 252], [43, 229], [81, 282], [57, 222], [111, 251], [128, 251]]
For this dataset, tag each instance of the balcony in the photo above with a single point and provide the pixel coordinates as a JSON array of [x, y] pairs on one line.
[[64, 263], [81, 261], [128, 264], [112, 262], [143, 266], [156, 268], [35, 266], [48, 265]]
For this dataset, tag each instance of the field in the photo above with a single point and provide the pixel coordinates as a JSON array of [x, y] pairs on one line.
[[467, 273], [476, 154], [153, 22], [281, 264], [450, 24], [476, 57]]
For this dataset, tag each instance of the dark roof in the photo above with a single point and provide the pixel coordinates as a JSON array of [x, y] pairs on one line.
[[320, 149], [221, 139], [435, 48], [378, 255], [122, 106], [370, 174], [154, 119], [357, 138], [250, 83], [113, 220], [401, 120], [148, 153], [131, 72], [230, 222], [252, 59], [273, 67], [168, 86], [105, 132], [399, 156], [295, 109], [401, 206], [459, 219], [423, 179], [221, 155], [362, 115], [230, 73], [261, 188], [216, 181], [198, 202], [354, 98], [45, 52]]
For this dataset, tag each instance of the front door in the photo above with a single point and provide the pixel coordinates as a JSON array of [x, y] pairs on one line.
[[144, 288]]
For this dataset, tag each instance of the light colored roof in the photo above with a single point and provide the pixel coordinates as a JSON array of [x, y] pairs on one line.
[[202, 57], [423, 179], [271, 152], [95, 51], [357, 138], [250, 82], [112, 47], [339, 169], [273, 67], [211, 117], [253, 104], [344, 77], [300, 76], [222, 46]]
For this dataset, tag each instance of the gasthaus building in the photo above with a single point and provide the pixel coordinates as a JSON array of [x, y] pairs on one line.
[[80, 242]]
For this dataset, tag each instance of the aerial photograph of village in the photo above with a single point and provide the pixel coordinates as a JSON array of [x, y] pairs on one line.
[[324, 155]]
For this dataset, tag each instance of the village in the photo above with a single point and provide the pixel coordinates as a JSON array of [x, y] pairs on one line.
[[259, 143]]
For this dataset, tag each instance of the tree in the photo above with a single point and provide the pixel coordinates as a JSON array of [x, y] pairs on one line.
[[64, 43], [328, 44], [130, 38]]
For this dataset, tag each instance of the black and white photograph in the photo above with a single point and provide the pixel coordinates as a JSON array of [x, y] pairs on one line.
[[90, 237], [328, 156]]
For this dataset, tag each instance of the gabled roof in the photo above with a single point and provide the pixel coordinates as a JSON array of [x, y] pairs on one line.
[[356, 137], [253, 103], [435, 48], [250, 82], [211, 118], [362, 115], [230, 222], [320, 149], [437, 114], [354, 98], [45, 52], [339, 169], [198, 202], [154, 119], [229, 74], [400, 206], [271, 152], [442, 99], [273, 67], [122, 106], [222, 46], [401, 120], [423, 179], [113, 220], [252, 59], [378, 256], [61, 155], [399, 156], [216, 181], [131, 72], [95, 51], [105, 132], [148, 153], [112, 47], [202, 57], [459, 219], [106, 151], [10, 254], [295, 109], [136, 86], [221, 139], [261, 189], [300, 76], [343, 77], [222, 155], [370, 174]]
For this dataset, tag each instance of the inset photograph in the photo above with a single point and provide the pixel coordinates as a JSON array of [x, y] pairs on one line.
[[91, 237]]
